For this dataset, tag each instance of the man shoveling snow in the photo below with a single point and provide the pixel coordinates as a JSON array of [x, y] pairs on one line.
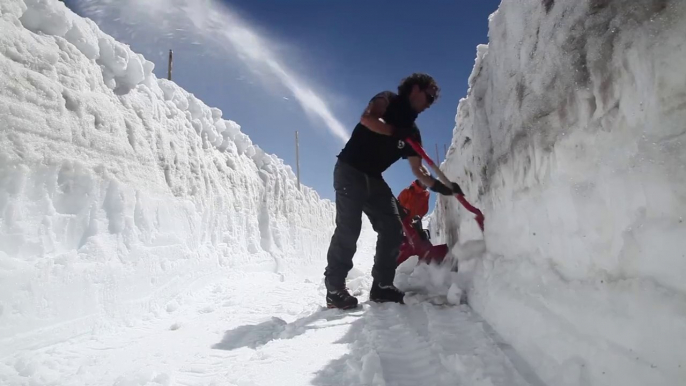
[[377, 142]]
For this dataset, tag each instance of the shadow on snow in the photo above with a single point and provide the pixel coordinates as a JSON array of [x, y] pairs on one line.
[[257, 335]]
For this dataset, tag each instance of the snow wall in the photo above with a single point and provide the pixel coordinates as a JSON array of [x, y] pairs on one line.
[[119, 191], [572, 141]]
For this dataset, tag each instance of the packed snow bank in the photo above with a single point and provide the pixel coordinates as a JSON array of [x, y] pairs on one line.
[[119, 190], [572, 141]]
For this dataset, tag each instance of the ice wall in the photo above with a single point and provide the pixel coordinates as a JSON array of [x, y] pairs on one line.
[[571, 140]]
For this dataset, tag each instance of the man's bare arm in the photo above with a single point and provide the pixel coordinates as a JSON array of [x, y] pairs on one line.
[[371, 118]]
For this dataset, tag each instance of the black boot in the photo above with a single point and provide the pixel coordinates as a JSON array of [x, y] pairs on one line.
[[381, 293], [340, 298]]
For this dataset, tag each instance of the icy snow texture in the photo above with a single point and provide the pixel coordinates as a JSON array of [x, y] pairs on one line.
[[119, 190], [571, 139]]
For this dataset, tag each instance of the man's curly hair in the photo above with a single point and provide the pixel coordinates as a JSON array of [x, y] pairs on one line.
[[424, 81]]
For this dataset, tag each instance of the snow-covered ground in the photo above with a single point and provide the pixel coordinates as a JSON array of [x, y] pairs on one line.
[[144, 240], [572, 140], [254, 329]]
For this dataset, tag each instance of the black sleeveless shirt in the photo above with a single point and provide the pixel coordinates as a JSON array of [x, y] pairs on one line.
[[373, 153]]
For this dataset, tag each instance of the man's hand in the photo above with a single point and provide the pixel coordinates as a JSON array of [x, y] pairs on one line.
[[454, 188], [439, 188], [457, 189], [425, 178]]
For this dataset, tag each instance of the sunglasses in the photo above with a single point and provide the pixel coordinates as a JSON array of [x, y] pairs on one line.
[[430, 97]]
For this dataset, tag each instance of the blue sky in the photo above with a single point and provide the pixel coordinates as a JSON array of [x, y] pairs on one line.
[[344, 51]]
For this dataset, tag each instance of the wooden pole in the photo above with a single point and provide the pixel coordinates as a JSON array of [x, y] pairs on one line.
[[297, 158], [169, 69]]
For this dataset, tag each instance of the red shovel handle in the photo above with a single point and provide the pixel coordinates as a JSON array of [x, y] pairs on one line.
[[479, 217]]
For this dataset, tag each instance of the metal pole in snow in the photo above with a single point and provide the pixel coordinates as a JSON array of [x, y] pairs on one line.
[[169, 68], [445, 149], [297, 158], [438, 159]]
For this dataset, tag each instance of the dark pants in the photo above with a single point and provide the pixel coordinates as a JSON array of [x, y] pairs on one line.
[[356, 193]]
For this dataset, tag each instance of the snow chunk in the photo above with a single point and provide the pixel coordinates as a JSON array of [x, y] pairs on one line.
[[47, 16], [121, 64], [454, 294], [83, 35], [145, 378], [371, 370], [481, 51], [15, 8]]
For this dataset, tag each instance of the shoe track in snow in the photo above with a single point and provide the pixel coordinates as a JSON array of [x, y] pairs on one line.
[[422, 344]]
